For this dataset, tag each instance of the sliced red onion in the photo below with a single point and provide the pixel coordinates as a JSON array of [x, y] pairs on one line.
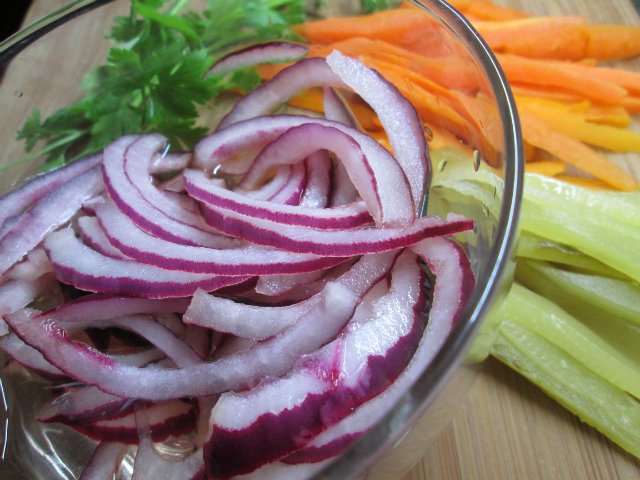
[[270, 358], [49, 213], [274, 285], [318, 190], [212, 193], [19, 199], [342, 243], [93, 236], [292, 191], [169, 162], [29, 357], [139, 199], [335, 109], [16, 294], [98, 307], [376, 176], [31, 268], [149, 465], [105, 461], [243, 320], [249, 260], [397, 115], [166, 419], [303, 74], [453, 284], [262, 53], [273, 186], [84, 405], [151, 330], [276, 418], [86, 269]]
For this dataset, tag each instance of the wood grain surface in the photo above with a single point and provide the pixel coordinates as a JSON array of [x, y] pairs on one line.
[[507, 428]]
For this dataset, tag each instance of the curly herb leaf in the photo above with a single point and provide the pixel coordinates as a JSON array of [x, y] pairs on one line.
[[154, 76]]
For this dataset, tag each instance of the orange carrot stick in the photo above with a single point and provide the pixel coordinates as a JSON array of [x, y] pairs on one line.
[[573, 152], [485, 10], [612, 42], [560, 38], [554, 74]]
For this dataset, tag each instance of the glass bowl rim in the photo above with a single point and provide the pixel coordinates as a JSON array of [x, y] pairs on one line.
[[413, 403]]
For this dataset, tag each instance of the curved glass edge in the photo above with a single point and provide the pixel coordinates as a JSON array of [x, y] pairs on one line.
[[10, 47], [414, 402]]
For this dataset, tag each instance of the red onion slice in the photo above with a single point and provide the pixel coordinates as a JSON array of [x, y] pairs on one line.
[[93, 236], [155, 213], [166, 419], [376, 176], [103, 307], [105, 461], [84, 405], [306, 73], [84, 268], [453, 284], [341, 243], [397, 115], [204, 190], [243, 320], [151, 330], [19, 199], [29, 357], [318, 190], [49, 213], [277, 418], [274, 285], [269, 52], [250, 260], [336, 110], [272, 357], [169, 162]]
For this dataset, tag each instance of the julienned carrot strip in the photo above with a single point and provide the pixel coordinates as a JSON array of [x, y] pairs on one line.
[[616, 116], [566, 121], [485, 10], [550, 168], [312, 100], [613, 42], [405, 27], [626, 79], [560, 38], [450, 71], [632, 104], [547, 93], [592, 183], [573, 152], [555, 74]]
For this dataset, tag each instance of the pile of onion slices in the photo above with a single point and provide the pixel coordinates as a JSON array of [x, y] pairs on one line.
[[268, 296]]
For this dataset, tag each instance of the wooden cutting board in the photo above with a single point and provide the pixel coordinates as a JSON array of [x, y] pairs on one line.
[[507, 428]]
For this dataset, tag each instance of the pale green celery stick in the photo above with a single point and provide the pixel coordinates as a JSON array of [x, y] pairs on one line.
[[595, 400], [603, 225], [609, 307], [617, 207], [487, 333], [535, 248], [620, 298], [613, 243], [546, 319]]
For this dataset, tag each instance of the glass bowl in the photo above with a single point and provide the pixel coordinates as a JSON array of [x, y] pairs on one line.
[[43, 67]]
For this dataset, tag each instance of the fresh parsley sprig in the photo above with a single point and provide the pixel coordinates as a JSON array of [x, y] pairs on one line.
[[154, 76]]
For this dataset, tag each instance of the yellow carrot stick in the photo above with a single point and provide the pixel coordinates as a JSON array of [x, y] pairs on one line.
[[550, 168], [574, 124], [573, 152]]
